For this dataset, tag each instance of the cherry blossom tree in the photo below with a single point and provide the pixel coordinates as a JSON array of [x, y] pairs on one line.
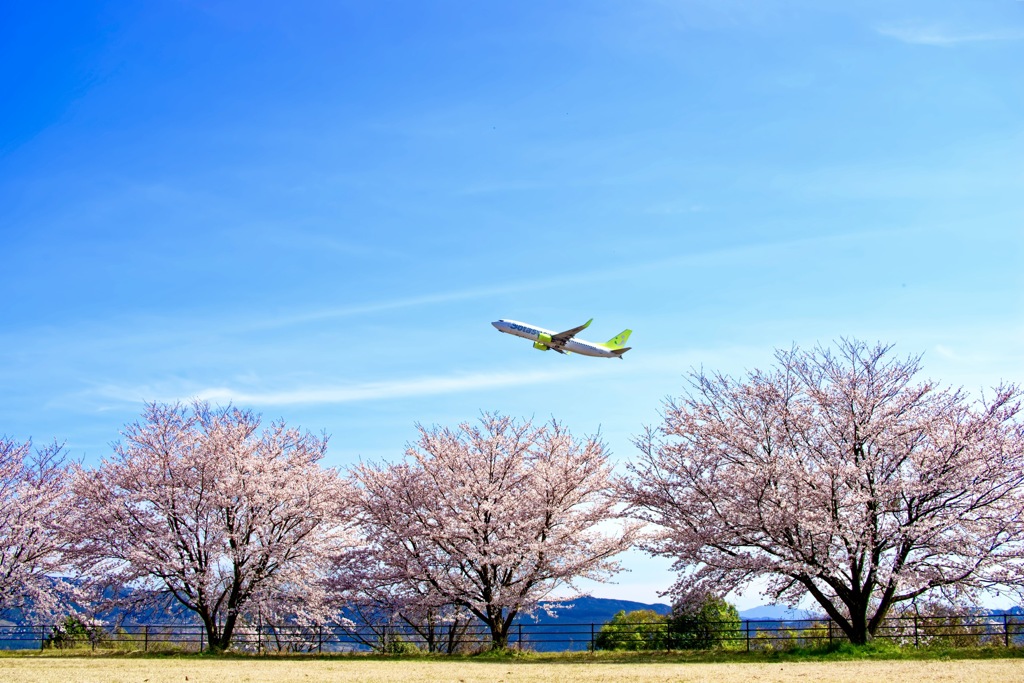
[[492, 518], [199, 504], [33, 506], [378, 602], [836, 475]]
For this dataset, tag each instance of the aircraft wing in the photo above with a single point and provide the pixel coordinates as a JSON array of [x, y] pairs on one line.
[[562, 337]]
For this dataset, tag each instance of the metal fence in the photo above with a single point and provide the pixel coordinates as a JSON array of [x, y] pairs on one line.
[[907, 631], [750, 635]]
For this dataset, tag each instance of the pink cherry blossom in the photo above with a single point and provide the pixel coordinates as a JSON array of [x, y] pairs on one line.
[[492, 518], [33, 508], [200, 505], [836, 475]]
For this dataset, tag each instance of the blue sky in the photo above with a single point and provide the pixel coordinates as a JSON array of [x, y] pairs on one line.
[[315, 209]]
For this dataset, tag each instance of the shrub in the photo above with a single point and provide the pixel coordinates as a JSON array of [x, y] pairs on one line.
[[72, 632], [638, 630], [396, 645], [705, 624]]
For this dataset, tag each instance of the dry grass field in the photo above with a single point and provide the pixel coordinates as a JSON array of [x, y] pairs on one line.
[[192, 670]]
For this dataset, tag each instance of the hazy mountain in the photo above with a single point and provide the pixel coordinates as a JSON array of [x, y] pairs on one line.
[[777, 613], [588, 610]]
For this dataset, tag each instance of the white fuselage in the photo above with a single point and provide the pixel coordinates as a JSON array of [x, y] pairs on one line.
[[533, 333]]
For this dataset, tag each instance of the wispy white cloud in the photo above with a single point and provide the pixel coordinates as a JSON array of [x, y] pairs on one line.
[[348, 393], [395, 304], [540, 284], [940, 36]]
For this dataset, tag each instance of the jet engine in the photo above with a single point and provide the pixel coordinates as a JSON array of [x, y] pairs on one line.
[[542, 347]]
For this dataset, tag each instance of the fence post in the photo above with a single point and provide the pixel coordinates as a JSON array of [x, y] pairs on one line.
[[259, 633], [319, 638], [1006, 631], [747, 626], [917, 641], [593, 641], [201, 634], [42, 638], [830, 632], [519, 636], [145, 638]]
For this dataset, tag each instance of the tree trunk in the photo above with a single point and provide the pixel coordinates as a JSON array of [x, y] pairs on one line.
[[856, 626], [858, 632], [212, 637], [218, 640], [228, 631], [499, 624], [499, 634], [453, 636], [859, 635]]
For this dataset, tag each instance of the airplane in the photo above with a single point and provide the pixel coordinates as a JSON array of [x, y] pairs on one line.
[[563, 342]]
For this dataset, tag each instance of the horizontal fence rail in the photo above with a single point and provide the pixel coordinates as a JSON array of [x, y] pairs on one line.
[[913, 631]]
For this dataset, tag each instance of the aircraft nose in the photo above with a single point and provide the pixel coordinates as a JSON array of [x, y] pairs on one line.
[[495, 324]]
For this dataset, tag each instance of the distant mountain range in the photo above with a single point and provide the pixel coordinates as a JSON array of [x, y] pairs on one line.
[[588, 610], [777, 613], [584, 610]]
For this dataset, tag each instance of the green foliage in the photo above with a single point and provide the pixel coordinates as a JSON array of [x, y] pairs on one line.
[[706, 624], [813, 637], [73, 632], [638, 630], [395, 645]]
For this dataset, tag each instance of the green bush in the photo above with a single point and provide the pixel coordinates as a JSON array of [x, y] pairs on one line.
[[706, 624], [73, 632], [638, 630], [396, 645]]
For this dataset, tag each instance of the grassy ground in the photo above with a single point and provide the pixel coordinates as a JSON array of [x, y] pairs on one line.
[[193, 670], [48, 668]]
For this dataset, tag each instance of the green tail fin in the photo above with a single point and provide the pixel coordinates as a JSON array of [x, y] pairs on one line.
[[618, 341]]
